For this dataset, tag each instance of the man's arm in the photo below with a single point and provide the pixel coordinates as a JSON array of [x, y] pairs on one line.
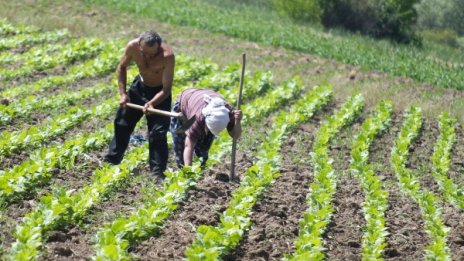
[[188, 150], [168, 78], [121, 72]]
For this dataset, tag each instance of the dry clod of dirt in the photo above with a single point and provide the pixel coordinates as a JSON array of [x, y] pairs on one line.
[[5, 102]]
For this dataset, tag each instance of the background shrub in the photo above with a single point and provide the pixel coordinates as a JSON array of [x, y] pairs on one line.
[[299, 10]]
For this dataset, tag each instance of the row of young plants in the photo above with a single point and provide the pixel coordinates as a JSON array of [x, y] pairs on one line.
[[74, 50], [31, 104], [409, 184], [212, 243], [188, 69], [7, 28], [22, 40], [114, 239], [35, 136], [101, 65], [309, 245], [441, 160], [408, 61], [376, 198], [28, 243], [37, 170], [67, 207], [12, 57]]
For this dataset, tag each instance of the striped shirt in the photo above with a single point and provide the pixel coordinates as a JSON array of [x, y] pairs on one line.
[[192, 102]]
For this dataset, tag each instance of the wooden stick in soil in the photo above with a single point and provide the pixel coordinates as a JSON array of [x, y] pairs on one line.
[[239, 101]]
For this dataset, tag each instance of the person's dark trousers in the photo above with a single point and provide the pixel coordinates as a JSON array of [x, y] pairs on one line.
[[201, 148], [158, 125]]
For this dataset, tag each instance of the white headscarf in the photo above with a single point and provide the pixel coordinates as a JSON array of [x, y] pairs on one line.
[[216, 114]]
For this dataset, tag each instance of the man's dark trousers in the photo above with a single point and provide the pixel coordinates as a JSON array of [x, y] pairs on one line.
[[158, 126]]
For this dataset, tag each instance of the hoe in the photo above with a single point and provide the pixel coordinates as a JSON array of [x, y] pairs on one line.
[[184, 122]]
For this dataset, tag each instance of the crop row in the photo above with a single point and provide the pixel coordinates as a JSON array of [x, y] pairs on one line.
[[410, 185], [376, 198], [309, 243], [215, 242], [21, 40], [452, 192], [75, 50], [114, 239], [9, 29], [28, 243]]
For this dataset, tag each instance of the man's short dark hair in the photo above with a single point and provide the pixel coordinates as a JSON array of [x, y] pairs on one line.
[[150, 38]]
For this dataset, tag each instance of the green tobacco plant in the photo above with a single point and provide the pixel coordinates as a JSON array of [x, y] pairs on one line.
[[214, 242], [32, 38], [409, 184], [73, 51], [104, 63], [33, 137], [9, 29], [54, 211], [376, 202], [441, 160], [114, 239], [309, 244]]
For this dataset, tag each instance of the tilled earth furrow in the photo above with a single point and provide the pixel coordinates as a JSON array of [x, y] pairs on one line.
[[344, 235], [275, 217], [453, 218], [90, 125], [75, 242], [407, 236], [457, 155], [203, 206]]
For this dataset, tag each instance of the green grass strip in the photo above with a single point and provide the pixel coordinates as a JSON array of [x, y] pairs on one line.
[[258, 25]]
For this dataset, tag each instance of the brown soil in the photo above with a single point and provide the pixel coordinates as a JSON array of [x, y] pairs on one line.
[[275, 217], [205, 203], [88, 126], [403, 218], [457, 154], [344, 235], [452, 217], [76, 242]]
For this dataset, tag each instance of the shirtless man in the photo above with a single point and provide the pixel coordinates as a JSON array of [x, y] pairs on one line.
[[151, 89]]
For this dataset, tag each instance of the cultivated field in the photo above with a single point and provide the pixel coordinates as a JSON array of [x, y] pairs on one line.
[[319, 177]]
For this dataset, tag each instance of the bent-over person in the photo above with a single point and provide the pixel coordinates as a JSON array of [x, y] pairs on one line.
[[213, 114]]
